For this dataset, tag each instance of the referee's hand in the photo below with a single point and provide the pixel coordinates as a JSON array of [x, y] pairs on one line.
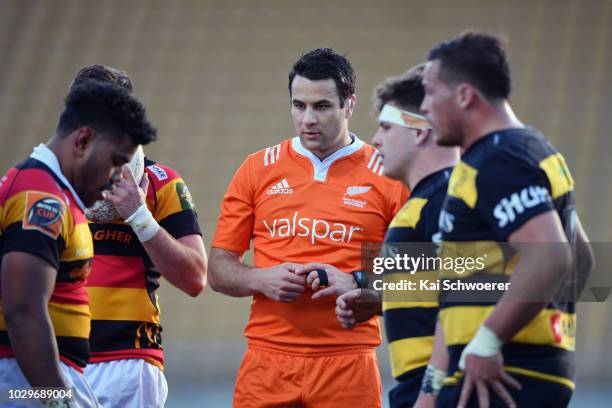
[[280, 282], [338, 282]]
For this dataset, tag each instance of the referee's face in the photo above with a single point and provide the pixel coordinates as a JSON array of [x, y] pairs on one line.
[[320, 122], [439, 107]]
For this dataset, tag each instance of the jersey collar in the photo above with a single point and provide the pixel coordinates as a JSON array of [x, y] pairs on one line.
[[46, 156], [322, 167]]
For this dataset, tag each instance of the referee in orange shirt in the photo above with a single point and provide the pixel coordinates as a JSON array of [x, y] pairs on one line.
[[312, 198]]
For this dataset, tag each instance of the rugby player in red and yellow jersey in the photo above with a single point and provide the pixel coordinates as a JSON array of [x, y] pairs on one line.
[[314, 198], [160, 237], [45, 244]]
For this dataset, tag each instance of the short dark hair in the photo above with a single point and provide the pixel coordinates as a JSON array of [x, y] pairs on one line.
[[478, 59], [107, 108], [325, 63], [405, 90], [102, 73]]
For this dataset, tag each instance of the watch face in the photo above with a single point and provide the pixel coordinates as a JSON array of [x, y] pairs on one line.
[[361, 278]]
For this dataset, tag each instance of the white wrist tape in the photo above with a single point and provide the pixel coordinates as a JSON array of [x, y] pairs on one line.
[[432, 380], [484, 344], [143, 223]]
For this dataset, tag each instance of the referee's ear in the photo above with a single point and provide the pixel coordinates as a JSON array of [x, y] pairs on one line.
[[350, 103]]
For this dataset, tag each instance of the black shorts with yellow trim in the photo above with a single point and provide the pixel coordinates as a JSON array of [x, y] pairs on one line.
[[535, 393]]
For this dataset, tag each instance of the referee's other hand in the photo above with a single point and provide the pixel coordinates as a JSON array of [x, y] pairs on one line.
[[280, 282]]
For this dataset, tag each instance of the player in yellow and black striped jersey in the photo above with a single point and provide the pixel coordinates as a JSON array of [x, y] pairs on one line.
[[410, 325], [510, 186], [409, 153]]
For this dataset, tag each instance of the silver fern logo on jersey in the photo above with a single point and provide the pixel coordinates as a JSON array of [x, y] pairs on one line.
[[353, 191]]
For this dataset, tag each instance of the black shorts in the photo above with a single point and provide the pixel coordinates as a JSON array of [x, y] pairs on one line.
[[533, 394], [406, 392]]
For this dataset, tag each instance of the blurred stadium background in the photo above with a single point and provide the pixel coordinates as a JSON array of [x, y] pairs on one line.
[[213, 75]]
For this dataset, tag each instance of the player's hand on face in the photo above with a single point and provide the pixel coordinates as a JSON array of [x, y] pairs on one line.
[[485, 374], [280, 282], [357, 306], [338, 282], [126, 195]]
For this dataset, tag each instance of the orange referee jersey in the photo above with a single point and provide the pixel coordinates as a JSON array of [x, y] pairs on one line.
[[39, 215], [296, 208]]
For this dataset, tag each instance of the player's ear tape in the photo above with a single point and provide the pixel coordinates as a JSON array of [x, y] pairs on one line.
[[322, 277]]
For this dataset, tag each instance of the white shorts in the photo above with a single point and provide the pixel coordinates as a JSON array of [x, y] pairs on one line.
[[131, 383], [11, 377]]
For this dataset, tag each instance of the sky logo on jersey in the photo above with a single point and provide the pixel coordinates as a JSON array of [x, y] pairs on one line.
[[312, 229], [43, 213], [159, 172], [509, 208], [282, 187]]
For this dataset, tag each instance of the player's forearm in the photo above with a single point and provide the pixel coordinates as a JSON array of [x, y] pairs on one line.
[[536, 278], [439, 355], [585, 259], [228, 275], [433, 377], [182, 266], [35, 347]]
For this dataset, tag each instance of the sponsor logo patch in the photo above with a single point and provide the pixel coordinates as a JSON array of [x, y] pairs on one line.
[[509, 208], [159, 172], [43, 212], [184, 196]]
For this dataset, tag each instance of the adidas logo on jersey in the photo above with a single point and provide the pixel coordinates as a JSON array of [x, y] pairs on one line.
[[282, 187]]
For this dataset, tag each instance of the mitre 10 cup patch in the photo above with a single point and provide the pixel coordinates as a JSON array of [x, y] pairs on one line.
[[44, 213]]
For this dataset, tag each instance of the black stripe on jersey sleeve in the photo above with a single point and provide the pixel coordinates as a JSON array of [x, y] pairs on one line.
[[181, 223], [402, 323], [33, 242]]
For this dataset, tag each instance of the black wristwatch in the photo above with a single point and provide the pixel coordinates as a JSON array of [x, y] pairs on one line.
[[361, 278]]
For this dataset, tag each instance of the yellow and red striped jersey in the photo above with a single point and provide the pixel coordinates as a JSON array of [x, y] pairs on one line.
[[123, 283], [40, 215]]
